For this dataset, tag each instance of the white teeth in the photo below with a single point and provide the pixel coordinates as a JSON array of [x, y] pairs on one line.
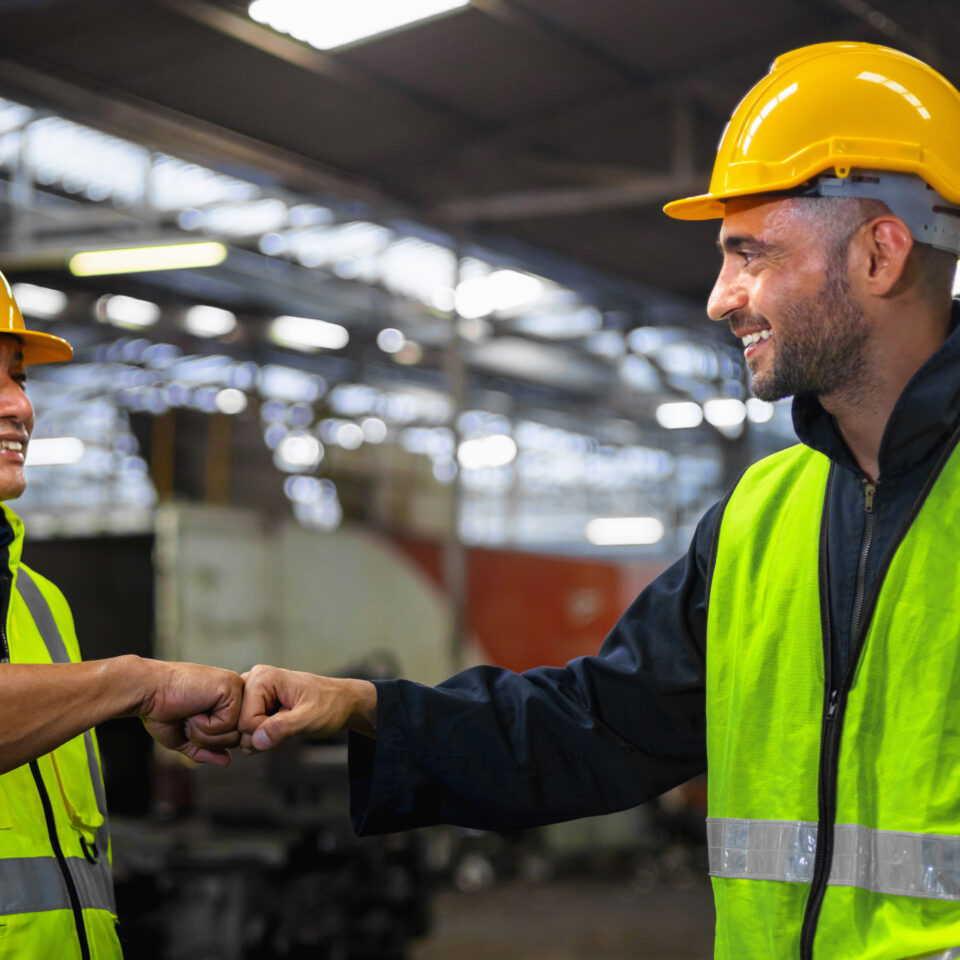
[[755, 337], [11, 445]]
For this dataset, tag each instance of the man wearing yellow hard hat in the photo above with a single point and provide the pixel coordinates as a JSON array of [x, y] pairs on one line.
[[56, 893], [805, 650]]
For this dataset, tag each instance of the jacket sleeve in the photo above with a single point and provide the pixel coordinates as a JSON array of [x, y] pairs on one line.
[[492, 749]]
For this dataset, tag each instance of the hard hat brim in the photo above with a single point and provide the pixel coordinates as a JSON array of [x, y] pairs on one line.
[[705, 206], [41, 347]]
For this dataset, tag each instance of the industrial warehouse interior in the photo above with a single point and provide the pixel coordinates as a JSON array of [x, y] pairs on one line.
[[387, 363]]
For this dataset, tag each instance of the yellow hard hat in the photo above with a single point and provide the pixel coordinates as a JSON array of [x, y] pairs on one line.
[[37, 347], [839, 106]]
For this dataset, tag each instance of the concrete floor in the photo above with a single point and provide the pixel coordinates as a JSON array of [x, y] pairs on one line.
[[572, 920]]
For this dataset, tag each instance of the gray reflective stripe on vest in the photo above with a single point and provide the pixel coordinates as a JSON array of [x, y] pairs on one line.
[[35, 884], [884, 861], [53, 640], [953, 954], [42, 616]]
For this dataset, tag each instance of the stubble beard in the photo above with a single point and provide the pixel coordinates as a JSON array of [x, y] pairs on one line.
[[820, 346]]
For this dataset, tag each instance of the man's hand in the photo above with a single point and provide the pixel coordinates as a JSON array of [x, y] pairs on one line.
[[193, 709], [280, 703]]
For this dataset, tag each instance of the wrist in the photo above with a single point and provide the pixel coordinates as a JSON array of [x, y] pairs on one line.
[[134, 678], [363, 715]]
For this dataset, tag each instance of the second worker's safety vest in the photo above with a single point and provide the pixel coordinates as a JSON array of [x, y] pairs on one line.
[[56, 890], [834, 802]]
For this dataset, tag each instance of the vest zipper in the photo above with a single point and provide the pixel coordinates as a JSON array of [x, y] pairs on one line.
[[78, 920], [827, 780], [836, 700], [833, 714]]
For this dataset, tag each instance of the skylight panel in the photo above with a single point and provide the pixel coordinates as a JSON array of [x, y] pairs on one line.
[[328, 25]]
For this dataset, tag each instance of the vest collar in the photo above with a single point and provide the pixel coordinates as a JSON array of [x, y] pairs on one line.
[[11, 538], [925, 414]]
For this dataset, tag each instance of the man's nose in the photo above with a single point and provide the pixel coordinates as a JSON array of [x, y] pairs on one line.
[[14, 403], [728, 294]]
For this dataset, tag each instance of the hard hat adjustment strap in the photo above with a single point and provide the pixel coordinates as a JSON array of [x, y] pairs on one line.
[[931, 217]]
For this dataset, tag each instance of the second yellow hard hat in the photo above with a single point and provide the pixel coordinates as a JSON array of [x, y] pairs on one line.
[[38, 347]]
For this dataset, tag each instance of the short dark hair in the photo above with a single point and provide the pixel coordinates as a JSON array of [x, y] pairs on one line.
[[841, 217]]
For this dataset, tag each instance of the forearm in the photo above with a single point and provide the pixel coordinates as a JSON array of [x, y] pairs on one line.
[[42, 705], [492, 750]]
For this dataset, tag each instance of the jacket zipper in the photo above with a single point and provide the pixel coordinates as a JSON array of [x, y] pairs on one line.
[[5, 580], [869, 491], [835, 700]]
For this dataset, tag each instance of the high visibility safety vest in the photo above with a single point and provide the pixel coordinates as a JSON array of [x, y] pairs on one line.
[[56, 889], [834, 802]]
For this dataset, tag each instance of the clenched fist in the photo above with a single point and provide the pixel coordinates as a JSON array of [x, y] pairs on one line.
[[279, 703], [193, 709]]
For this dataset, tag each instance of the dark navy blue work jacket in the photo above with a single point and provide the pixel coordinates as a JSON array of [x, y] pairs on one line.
[[493, 749]]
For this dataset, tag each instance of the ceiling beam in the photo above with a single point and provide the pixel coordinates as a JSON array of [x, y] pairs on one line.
[[544, 29], [903, 38], [170, 131], [566, 201], [316, 61]]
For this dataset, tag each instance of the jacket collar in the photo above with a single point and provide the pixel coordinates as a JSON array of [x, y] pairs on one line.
[[924, 416]]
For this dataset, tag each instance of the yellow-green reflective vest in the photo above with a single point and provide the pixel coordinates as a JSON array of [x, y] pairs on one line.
[[866, 775], [56, 890]]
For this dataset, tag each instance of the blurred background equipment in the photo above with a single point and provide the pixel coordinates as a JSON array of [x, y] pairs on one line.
[[387, 357]]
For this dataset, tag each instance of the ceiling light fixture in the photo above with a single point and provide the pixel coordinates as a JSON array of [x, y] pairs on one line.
[[204, 321], [725, 411], [489, 452], [679, 415], [54, 451], [164, 256], [36, 301], [326, 26], [124, 311], [305, 333], [624, 531]]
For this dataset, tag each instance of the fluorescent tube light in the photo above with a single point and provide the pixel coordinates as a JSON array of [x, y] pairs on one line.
[[124, 311], [305, 333], [35, 301], [725, 411], [329, 25], [759, 411], [681, 415], [624, 531], [487, 452], [204, 321], [54, 451], [166, 256]]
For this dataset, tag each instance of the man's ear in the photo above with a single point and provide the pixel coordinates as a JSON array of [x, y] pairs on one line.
[[879, 255]]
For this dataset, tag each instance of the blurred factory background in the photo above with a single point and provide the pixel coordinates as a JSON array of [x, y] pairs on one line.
[[387, 362]]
